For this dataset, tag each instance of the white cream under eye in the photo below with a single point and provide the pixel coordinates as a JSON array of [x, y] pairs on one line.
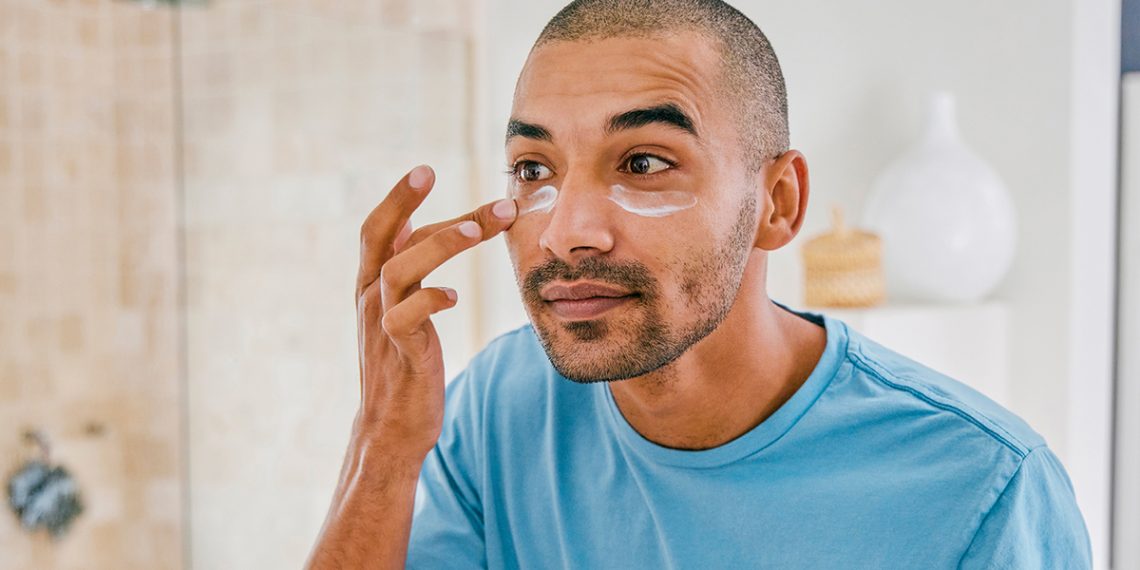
[[651, 204], [541, 200], [645, 203]]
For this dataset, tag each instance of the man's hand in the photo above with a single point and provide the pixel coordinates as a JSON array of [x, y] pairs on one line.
[[401, 364], [401, 373]]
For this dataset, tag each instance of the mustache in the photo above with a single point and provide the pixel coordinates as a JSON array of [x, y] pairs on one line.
[[632, 276]]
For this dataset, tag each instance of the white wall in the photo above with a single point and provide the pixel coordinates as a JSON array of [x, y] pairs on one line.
[[857, 73], [1128, 391]]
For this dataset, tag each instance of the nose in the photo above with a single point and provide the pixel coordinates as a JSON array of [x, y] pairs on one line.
[[580, 224]]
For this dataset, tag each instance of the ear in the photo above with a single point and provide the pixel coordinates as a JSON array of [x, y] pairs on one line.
[[784, 202]]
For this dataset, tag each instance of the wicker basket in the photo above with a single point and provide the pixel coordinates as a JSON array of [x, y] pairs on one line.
[[843, 267]]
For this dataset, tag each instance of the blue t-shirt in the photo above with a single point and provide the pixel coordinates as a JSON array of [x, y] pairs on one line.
[[875, 462]]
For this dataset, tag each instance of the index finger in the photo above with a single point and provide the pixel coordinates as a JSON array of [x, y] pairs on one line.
[[492, 217], [383, 224]]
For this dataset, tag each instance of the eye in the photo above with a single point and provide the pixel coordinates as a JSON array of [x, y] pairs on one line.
[[646, 164], [530, 171]]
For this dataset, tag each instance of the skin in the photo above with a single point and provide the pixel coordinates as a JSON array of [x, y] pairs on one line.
[[709, 395], [713, 392]]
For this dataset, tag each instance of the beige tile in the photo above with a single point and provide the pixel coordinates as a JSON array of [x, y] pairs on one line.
[[164, 502], [154, 29], [9, 285], [29, 30], [396, 13], [92, 545], [149, 459], [37, 382], [85, 195], [11, 386], [7, 168], [5, 51], [5, 106], [103, 502], [253, 22], [89, 31], [14, 542], [71, 333], [154, 545], [32, 118], [126, 73], [35, 203]]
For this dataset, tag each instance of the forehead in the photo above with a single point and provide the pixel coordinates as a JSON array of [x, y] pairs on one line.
[[599, 77]]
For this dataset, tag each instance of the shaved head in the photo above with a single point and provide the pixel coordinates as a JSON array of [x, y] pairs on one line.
[[752, 81]]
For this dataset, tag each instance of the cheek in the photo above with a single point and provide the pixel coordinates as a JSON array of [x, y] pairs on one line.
[[680, 249], [522, 239]]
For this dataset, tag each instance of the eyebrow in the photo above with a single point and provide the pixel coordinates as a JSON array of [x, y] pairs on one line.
[[665, 113], [517, 128]]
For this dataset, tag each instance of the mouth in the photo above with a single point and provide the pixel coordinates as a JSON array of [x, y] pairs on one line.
[[583, 301]]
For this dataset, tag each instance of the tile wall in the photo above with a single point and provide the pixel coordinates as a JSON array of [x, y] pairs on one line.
[[297, 116], [89, 329]]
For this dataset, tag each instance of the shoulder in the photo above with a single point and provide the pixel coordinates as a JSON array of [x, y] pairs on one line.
[[954, 442], [908, 387], [1034, 523]]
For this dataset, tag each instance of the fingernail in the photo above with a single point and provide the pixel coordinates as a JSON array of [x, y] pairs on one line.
[[418, 177], [504, 209], [450, 293], [470, 229]]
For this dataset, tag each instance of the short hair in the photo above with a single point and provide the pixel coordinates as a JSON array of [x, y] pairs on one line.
[[751, 75]]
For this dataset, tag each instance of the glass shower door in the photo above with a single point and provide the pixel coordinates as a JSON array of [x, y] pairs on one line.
[[298, 117]]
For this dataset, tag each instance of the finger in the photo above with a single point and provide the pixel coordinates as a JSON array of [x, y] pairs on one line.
[[403, 237], [402, 274], [383, 224], [368, 317], [493, 218], [406, 320]]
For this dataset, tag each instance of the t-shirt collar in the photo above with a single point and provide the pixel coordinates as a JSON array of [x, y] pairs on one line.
[[754, 440]]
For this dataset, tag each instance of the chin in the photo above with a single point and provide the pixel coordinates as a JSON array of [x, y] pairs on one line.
[[603, 351]]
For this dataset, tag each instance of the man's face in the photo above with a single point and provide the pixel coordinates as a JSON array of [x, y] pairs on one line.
[[614, 293]]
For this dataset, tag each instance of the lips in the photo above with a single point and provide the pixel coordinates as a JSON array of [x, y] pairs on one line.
[[581, 301]]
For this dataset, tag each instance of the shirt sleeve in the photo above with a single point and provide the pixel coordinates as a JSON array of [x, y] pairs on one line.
[[447, 521], [1035, 523]]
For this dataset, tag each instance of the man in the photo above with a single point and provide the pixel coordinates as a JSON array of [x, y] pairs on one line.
[[660, 411]]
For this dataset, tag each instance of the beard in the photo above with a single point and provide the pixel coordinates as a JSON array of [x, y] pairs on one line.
[[602, 350]]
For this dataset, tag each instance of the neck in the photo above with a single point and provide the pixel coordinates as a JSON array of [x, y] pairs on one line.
[[716, 391]]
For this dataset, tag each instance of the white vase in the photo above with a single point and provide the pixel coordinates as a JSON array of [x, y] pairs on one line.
[[946, 220]]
